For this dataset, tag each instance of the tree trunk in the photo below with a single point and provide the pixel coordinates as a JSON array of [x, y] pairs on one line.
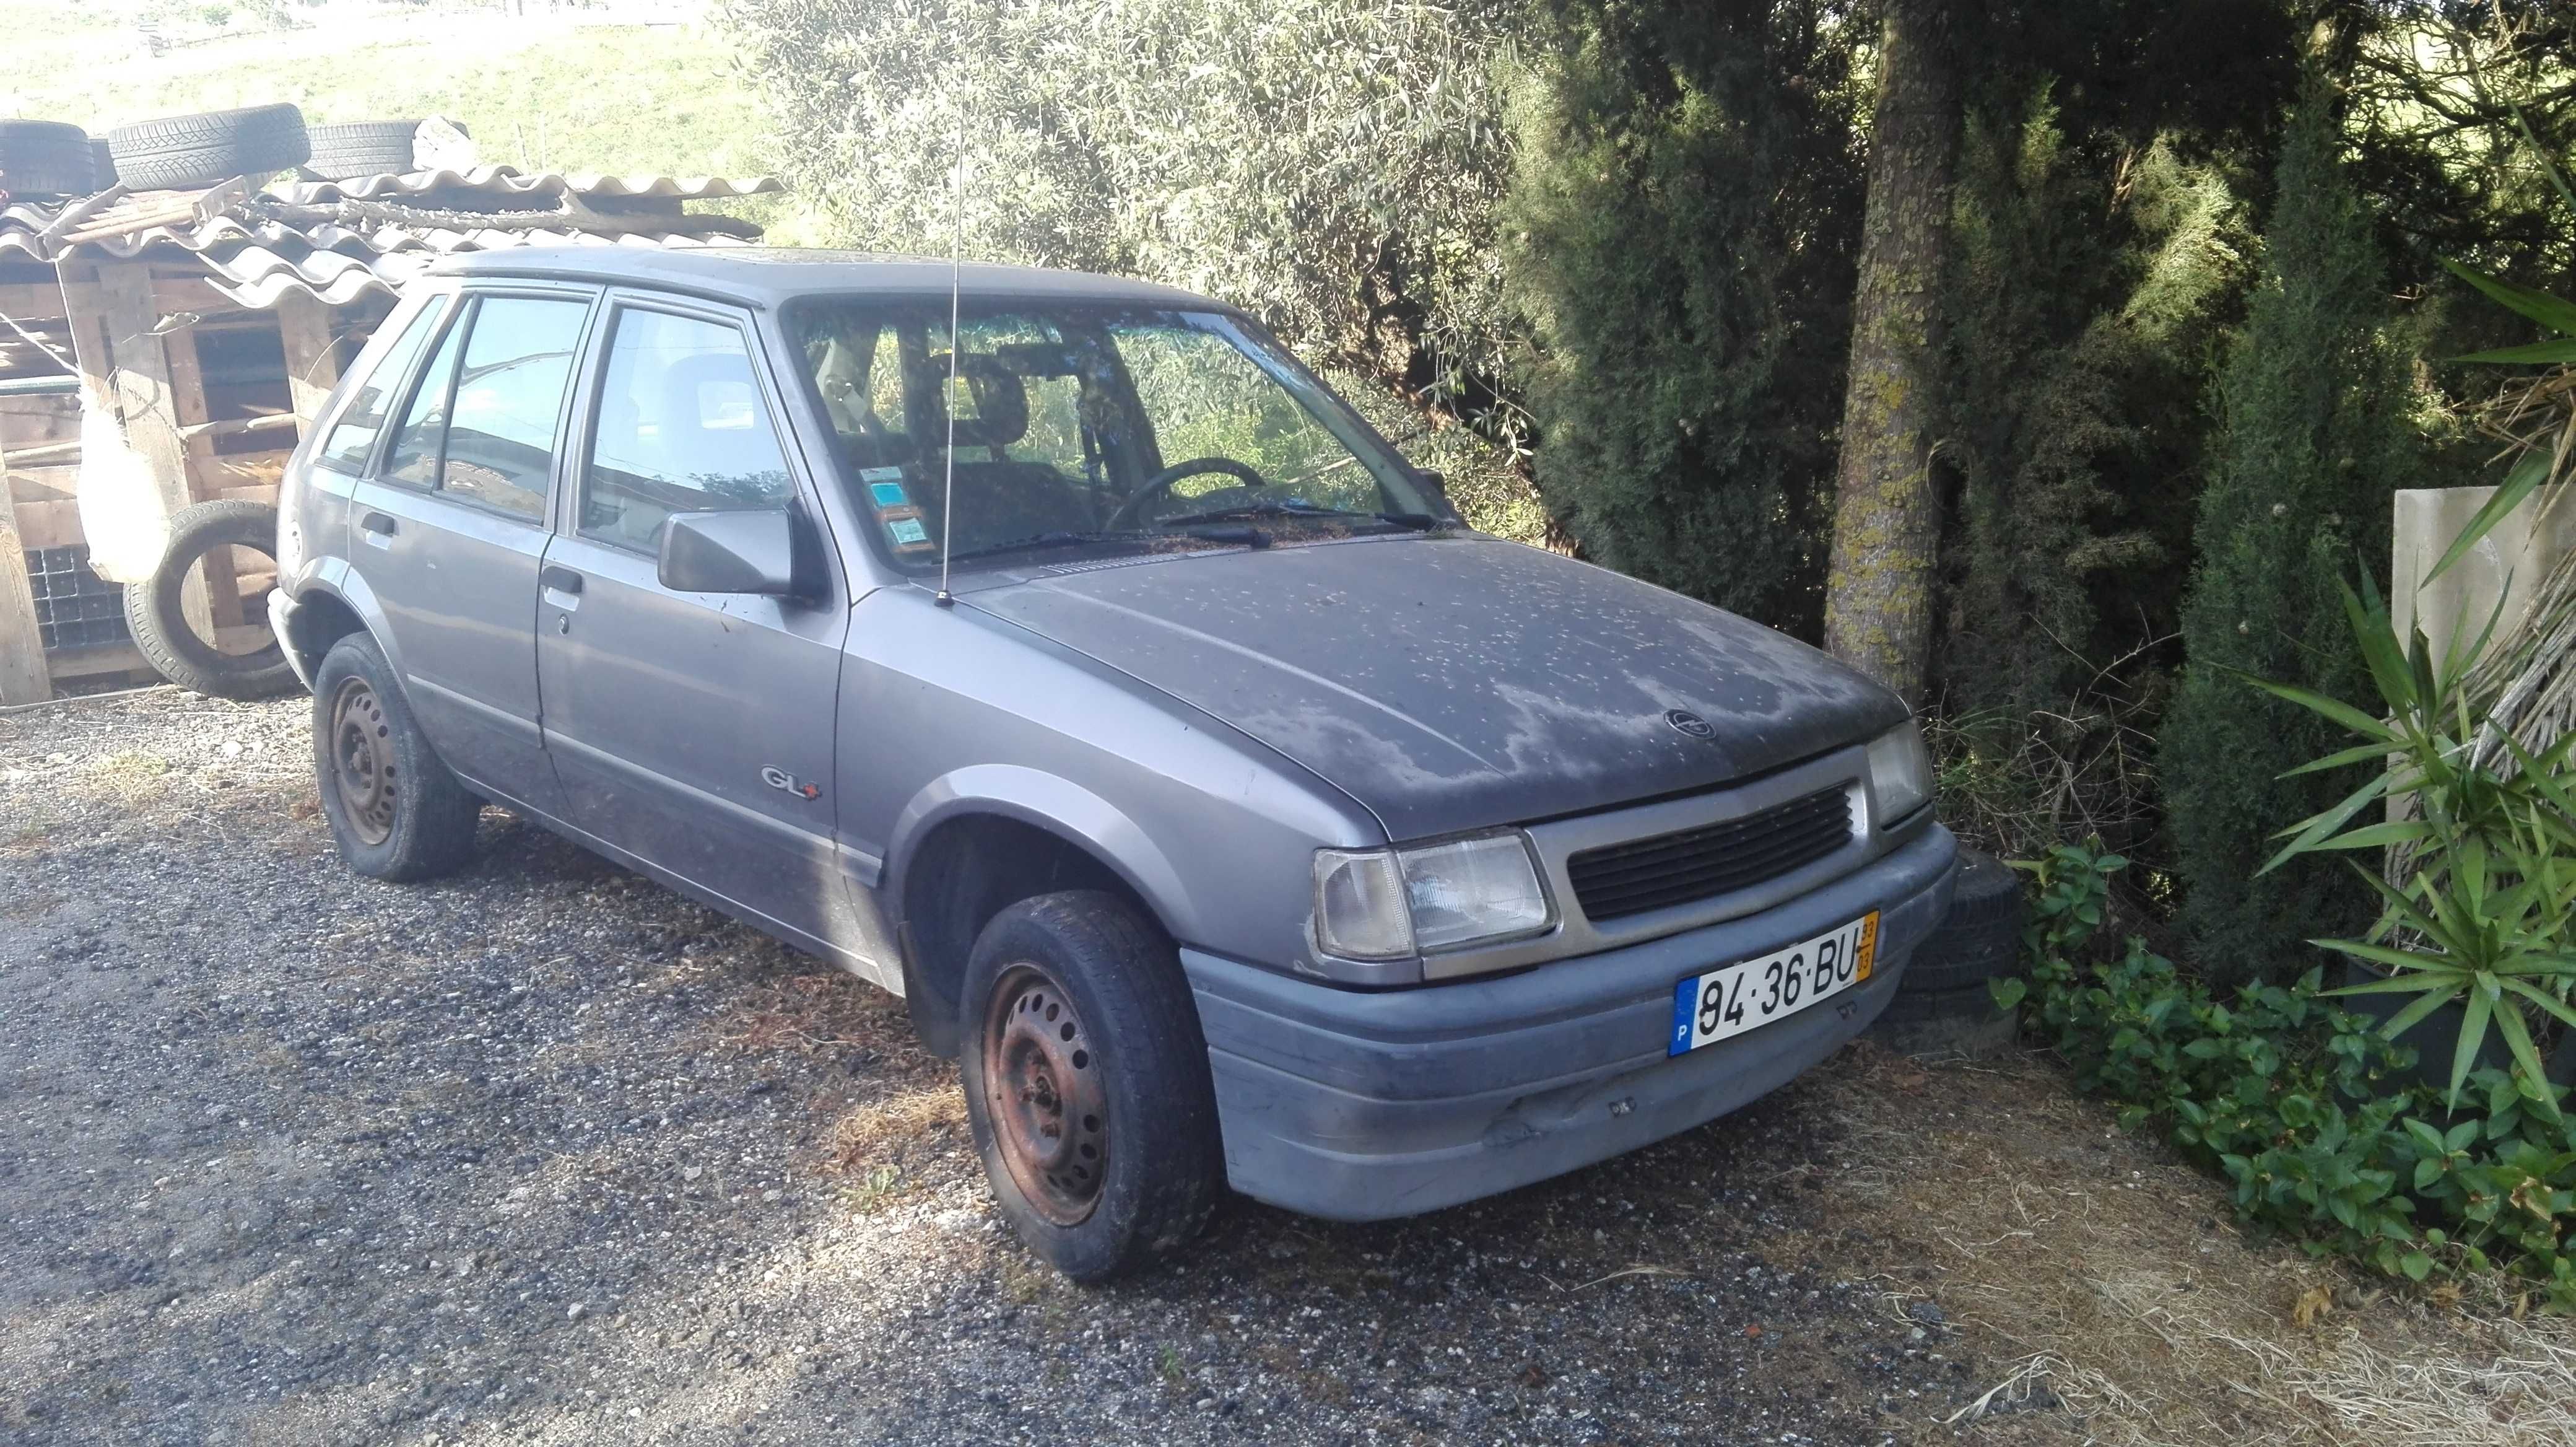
[[1878, 592]]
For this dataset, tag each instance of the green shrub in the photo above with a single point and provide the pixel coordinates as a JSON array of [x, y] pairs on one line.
[[2317, 433], [2079, 345], [2302, 1106], [1680, 232]]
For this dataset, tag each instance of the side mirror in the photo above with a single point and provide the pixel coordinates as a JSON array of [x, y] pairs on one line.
[[731, 552]]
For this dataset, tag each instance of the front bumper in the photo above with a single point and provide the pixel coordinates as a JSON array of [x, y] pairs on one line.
[[1363, 1106]]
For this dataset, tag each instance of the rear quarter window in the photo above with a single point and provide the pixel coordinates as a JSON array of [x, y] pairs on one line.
[[353, 438]]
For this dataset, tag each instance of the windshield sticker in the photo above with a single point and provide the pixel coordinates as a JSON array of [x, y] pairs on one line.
[[880, 474], [904, 529], [888, 494]]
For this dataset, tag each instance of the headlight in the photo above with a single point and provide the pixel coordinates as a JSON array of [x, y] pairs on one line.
[[1384, 904], [1900, 772]]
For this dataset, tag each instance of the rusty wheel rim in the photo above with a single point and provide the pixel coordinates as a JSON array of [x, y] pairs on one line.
[[1050, 1112], [362, 761]]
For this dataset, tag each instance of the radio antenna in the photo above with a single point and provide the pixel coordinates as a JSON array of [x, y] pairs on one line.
[[956, 243]]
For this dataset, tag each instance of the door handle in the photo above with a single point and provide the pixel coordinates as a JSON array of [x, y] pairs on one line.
[[561, 579], [379, 523]]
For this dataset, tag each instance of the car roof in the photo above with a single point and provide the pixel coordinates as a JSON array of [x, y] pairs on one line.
[[766, 276]]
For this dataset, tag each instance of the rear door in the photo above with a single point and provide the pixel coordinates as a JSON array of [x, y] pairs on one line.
[[450, 530], [692, 730]]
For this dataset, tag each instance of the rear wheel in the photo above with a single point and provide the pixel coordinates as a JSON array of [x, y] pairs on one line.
[[1087, 1084], [394, 809]]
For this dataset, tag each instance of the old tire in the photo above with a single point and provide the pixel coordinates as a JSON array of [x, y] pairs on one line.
[[210, 146], [394, 809], [1979, 939], [46, 158], [1087, 1084], [360, 148], [160, 628]]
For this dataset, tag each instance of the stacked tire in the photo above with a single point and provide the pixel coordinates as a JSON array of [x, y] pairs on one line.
[[46, 159], [209, 146], [361, 148], [1943, 1003]]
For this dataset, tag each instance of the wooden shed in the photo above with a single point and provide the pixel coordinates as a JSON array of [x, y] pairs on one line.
[[164, 348]]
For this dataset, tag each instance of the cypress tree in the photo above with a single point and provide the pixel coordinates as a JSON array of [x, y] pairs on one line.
[[2316, 432], [1679, 232]]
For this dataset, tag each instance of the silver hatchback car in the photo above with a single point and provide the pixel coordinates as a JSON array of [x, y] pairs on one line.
[[1090, 675]]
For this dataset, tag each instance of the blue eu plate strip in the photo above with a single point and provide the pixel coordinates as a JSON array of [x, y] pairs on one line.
[[1685, 1005]]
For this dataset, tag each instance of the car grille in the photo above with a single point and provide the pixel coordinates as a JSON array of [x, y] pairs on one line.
[[1639, 875]]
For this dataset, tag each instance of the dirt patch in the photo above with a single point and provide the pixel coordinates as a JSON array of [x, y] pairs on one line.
[[2104, 1279]]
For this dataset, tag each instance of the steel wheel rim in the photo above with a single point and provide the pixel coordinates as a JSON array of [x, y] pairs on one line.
[[1043, 1090], [362, 761]]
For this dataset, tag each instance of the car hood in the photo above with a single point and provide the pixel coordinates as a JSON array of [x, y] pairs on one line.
[[1452, 683]]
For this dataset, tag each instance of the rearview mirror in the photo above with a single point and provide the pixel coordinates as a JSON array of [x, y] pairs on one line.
[[730, 552]]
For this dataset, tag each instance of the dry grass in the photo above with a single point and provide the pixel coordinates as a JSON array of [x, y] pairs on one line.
[[2105, 1273], [891, 1129]]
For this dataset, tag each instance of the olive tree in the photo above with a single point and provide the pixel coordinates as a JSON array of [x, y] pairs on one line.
[[1329, 165]]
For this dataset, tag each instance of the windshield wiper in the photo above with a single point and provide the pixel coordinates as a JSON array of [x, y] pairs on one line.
[[1035, 541], [1420, 522]]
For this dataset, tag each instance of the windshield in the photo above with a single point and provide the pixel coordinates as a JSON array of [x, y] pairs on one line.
[[1086, 428]]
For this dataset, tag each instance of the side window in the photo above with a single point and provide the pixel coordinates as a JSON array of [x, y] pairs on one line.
[[354, 435], [509, 395], [413, 461], [681, 428]]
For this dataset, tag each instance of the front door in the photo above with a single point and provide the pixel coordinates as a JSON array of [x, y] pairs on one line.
[[691, 730], [450, 530]]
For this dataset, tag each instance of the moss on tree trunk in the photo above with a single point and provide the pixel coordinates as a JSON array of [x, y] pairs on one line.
[[1878, 587]]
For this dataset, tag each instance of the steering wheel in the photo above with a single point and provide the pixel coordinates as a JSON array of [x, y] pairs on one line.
[[1161, 483]]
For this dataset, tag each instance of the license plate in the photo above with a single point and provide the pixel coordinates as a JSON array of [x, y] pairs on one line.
[[1727, 1002]]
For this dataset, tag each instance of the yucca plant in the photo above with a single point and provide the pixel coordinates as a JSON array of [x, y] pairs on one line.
[[2482, 918]]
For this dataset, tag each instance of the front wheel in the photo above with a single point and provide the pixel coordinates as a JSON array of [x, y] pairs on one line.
[[1087, 1084]]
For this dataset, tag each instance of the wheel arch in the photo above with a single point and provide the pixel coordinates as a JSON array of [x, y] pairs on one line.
[[983, 838], [333, 604]]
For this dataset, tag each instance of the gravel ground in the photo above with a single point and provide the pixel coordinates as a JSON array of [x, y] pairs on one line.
[[545, 1153]]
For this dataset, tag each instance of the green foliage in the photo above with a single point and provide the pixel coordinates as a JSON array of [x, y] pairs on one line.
[[1680, 233], [2086, 294], [1326, 164], [2317, 431], [2482, 919], [2300, 1105]]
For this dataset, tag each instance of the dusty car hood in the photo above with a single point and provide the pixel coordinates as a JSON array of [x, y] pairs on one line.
[[1454, 683]]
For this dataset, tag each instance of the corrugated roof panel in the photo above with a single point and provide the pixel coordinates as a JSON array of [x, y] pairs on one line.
[[509, 181]]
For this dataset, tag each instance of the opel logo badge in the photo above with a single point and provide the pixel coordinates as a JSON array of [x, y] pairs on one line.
[[1687, 722]]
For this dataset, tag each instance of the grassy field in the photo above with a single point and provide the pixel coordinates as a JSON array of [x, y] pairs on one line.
[[535, 92]]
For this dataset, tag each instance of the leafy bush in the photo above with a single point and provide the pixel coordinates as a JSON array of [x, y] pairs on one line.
[[1680, 232], [2302, 1106], [1326, 164]]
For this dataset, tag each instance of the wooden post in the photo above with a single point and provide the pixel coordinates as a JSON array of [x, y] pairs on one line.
[[197, 453], [23, 677], [113, 316], [312, 353]]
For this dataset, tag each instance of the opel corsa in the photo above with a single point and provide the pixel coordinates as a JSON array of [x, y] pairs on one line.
[[1235, 815]]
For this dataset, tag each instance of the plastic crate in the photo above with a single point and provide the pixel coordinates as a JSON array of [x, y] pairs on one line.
[[75, 608]]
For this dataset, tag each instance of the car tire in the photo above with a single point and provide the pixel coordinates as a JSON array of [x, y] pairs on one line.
[[395, 810], [1087, 1085], [46, 158], [1979, 939], [209, 146], [161, 632], [361, 148]]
